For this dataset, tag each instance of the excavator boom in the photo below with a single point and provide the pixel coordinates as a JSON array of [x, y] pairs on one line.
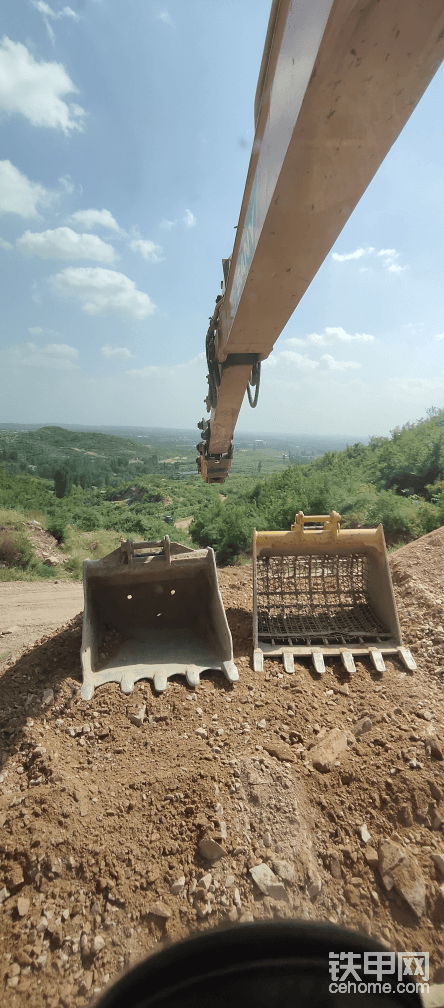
[[337, 83]]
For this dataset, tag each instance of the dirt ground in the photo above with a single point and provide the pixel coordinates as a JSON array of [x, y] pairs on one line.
[[101, 819]]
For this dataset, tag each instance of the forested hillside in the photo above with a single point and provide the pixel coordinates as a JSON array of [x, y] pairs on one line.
[[398, 481], [76, 458]]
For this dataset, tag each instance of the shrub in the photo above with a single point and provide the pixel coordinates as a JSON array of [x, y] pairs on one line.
[[15, 549]]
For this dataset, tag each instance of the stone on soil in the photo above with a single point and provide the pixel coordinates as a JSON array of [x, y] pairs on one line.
[[268, 883], [400, 871], [211, 850], [324, 756]]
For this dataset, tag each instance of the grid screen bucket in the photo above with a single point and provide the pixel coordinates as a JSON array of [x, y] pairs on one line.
[[316, 599]]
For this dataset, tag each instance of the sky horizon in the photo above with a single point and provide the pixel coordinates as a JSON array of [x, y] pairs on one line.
[[126, 141]]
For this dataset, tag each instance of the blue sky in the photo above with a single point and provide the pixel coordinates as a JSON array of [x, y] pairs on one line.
[[126, 137]]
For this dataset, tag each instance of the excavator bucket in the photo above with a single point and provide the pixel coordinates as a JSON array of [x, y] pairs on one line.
[[153, 610], [321, 592]]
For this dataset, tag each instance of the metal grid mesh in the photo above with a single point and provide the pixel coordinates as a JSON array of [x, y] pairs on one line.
[[316, 599]]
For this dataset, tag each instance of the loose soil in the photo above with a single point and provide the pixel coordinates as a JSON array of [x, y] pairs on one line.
[[101, 819]]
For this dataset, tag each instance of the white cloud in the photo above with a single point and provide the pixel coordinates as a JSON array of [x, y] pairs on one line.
[[330, 334], [35, 90], [5, 244], [38, 331], [66, 184], [53, 356], [147, 249], [91, 218], [165, 17], [144, 372], [330, 364], [440, 336], [389, 256], [17, 194], [62, 243], [47, 12], [168, 224], [173, 371], [103, 291], [45, 9], [300, 361], [123, 352], [352, 255], [304, 363], [189, 219]]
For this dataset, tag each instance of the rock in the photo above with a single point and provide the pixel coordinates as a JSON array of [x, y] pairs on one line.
[[211, 850], [335, 867], [237, 899], [324, 756], [229, 881], [362, 726], [371, 857], [405, 816], [439, 862], [98, 944], [283, 753], [245, 917], [424, 714], [267, 839], [437, 821], [201, 733], [4, 894], [365, 835], [267, 882], [435, 748], [262, 723], [435, 791], [232, 914], [51, 561], [352, 896], [11, 629], [314, 887], [136, 714], [23, 906], [86, 982], [48, 697], [402, 872], [14, 877], [159, 909], [178, 886], [344, 690], [284, 870]]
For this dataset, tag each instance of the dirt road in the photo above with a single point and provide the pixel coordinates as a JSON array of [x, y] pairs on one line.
[[33, 609]]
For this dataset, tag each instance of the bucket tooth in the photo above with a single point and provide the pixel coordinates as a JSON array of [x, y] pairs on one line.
[[288, 661], [407, 658], [377, 659], [318, 661], [127, 683], [160, 682], [348, 661], [258, 660], [87, 690], [192, 675], [230, 671]]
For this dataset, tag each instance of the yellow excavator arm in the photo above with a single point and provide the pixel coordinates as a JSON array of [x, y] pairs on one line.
[[337, 83]]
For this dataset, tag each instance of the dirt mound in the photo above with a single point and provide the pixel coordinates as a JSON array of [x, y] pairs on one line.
[[103, 821]]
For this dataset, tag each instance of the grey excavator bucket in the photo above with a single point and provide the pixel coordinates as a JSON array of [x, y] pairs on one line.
[[159, 608]]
